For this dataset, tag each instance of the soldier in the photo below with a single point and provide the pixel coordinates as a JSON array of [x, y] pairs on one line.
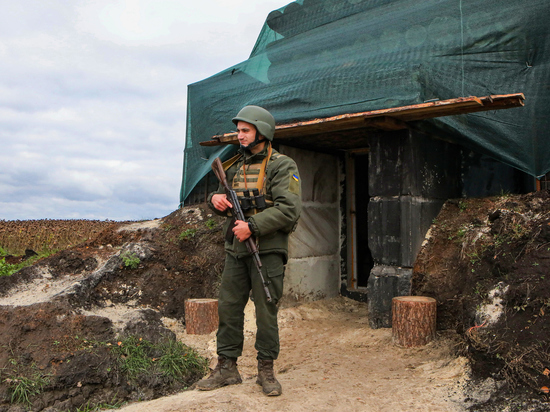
[[271, 216]]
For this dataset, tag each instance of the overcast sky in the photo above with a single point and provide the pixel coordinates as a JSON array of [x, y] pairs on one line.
[[93, 95]]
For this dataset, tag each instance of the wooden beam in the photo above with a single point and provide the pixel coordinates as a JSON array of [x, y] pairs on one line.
[[385, 123], [394, 118], [213, 142]]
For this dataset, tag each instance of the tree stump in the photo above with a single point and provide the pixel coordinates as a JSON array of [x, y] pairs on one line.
[[201, 316], [413, 320]]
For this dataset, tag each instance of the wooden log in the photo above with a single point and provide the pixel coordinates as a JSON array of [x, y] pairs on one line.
[[413, 320], [201, 316]]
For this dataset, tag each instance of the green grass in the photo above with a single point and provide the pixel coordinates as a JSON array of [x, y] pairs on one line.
[[134, 356], [139, 358], [22, 388], [7, 269], [210, 223], [179, 360], [97, 408], [187, 234]]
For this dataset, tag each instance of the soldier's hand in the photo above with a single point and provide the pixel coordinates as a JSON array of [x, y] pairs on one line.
[[241, 230], [220, 202]]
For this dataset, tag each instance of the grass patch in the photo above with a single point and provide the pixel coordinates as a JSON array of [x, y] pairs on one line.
[[211, 224], [144, 361], [187, 234], [22, 388], [97, 408], [23, 383], [7, 269]]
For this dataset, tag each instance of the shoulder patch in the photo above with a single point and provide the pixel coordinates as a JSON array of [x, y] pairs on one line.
[[294, 183]]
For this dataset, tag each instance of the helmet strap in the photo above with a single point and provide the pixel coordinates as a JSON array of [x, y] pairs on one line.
[[256, 142]]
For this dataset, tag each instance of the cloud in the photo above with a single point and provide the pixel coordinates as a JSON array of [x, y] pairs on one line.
[[93, 100]]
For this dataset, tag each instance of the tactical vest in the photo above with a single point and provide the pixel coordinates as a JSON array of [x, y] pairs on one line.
[[249, 183]]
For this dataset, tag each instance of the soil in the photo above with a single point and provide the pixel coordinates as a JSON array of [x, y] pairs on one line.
[[331, 360], [60, 317], [486, 261]]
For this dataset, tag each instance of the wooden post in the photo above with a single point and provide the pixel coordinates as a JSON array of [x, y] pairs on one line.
[[201, 316], [413, 320]]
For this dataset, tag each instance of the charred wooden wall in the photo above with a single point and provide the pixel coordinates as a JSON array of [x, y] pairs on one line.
[[411, 175]]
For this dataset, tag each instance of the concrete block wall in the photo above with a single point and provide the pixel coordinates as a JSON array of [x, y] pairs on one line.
[[410, 177], [313, 269], [410, 163], [397, 226], [388, 282]]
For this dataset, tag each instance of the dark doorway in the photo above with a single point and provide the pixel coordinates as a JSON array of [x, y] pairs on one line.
[[363, 255]]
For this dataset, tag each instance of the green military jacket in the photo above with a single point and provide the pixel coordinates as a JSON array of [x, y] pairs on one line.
[[273, 225]]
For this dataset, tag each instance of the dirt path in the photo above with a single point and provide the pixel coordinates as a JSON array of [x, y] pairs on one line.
[[331, 360]]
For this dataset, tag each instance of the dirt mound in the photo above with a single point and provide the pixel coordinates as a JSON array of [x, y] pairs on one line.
[[64, 320], [487, 262]]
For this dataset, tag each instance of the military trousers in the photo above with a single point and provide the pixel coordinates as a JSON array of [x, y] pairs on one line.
[[239, 277]]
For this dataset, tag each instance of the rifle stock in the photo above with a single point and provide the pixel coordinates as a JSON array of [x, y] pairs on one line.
[[238, 214]]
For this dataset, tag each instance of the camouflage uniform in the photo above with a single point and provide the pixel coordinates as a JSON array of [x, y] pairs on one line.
[[271, 227]]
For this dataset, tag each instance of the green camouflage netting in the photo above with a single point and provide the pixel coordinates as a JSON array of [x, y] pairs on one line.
[[319, 58]]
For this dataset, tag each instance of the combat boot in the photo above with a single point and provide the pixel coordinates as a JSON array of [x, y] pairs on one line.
[[225, 373], [266, 378]]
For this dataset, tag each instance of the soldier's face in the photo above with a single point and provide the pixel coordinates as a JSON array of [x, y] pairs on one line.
[[246, 133]]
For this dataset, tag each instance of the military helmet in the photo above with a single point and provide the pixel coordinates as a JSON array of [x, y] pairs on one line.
[[259, 117]]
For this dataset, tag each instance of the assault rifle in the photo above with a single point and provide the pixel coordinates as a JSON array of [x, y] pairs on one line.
[[239, 215]]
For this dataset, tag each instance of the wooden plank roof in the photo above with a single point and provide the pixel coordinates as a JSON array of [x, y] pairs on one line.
[[395, 118]]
